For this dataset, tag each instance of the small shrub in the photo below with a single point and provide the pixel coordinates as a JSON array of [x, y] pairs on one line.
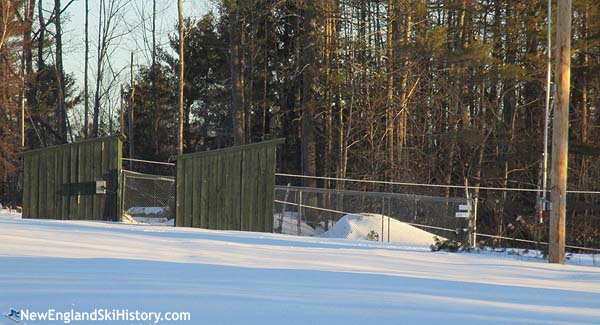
[[372, 236]]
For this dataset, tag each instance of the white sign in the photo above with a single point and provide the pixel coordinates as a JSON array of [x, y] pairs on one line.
[[462, 214], [464, 207], [100, 187]]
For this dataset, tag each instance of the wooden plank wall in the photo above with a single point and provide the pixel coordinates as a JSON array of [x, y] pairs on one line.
[[228, 189], [59, 182]]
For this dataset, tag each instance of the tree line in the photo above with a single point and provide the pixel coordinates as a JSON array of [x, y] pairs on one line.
[[426, 91]]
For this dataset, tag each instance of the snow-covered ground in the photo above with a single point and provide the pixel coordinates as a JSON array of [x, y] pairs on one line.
[[228, 277]]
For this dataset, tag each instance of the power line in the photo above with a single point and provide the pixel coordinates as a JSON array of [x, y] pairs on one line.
[[427, 185]]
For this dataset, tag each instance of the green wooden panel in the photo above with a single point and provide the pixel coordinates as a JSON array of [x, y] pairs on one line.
[[85, 202], [59, 182], [105, 209], [188, 194], [33, 188], [65, 188], [227, 196], [260, 202], [204, 191], [37, 185], [249, 185], [43, 192], [179, 193], [26, 198], [227, 189], [234, 189], [210, 194], [50, 183], [196, 190], [97, 174], [220, 222], [269, 185]]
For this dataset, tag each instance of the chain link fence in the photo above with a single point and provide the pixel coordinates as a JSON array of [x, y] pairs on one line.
[[319, 209], [148, 198]]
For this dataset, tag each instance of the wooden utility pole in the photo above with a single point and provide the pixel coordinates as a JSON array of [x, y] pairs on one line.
[[560, 134], [181, 76]]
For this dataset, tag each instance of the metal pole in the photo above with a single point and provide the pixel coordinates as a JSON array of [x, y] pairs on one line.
[[287, 192], [474, 233], [299, 211], [389, 215], [382, 216]]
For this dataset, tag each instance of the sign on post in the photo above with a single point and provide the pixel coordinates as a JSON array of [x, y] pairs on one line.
[[464, 211]]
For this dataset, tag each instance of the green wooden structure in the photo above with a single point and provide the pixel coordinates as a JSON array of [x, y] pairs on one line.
[[227, 189], [60, 182]]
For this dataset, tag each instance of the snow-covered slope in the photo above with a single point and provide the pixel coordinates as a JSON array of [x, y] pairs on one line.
[[359, 226], [227, 277]]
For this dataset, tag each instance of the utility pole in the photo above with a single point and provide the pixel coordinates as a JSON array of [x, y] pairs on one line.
[[560, 134]]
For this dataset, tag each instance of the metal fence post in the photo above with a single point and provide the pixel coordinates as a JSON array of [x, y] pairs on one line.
[[389, 216], [474, 226], [287, 192], [382, 216], [299, 212], [123, 193]]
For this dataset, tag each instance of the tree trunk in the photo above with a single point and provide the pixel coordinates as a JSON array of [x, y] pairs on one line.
[[131, 113], [86, 95], [181, 75], [236, 54], [391, 100], [61, 111], [309, 60], [96, 115]]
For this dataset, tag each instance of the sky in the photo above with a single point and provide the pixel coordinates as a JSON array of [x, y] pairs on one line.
[[135, 23]]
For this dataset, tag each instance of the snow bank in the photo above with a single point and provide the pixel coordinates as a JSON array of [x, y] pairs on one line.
[[289, 225], [366, 226]]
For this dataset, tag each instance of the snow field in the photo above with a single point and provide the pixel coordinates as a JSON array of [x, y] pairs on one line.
[[229, 277]]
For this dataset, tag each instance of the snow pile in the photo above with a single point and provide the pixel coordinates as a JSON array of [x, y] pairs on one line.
[[147, 215], [8, 214], [146, 210], [141, 219], [366, 226], [289, 224]]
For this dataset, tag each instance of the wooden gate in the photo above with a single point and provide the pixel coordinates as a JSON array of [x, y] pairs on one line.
[[62, 182], [227, 189]]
